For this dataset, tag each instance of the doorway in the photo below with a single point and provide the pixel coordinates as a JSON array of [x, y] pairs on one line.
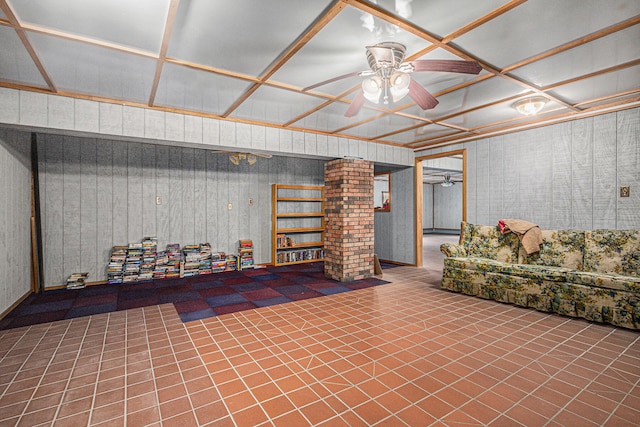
[[450, 176]]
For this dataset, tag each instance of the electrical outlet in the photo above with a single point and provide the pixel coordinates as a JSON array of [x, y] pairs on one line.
[[625, 191], [229, 206], [158, 200]]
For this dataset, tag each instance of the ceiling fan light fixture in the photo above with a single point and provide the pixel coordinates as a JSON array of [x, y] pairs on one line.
[[448, 182], [530, 106], [399, 85], [372, 88]]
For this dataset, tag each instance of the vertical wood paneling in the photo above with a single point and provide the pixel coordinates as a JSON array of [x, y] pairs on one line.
[[213, 200], [222, 214], [562, 176], [483, 185], [511, 179], [628, 166], [163, 210], [15, 211], [200, 196], [175, 196], [105, 206], [188, 197], [89, 210], [119, 203], [496, 179], [582, 174], [134, 192], [605, 191], [70, 207], [149, 185]]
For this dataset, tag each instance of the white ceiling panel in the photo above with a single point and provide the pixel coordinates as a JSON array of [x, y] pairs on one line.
[[244, 36], [16, 65], [274, 105], [196, 90], [387, 124], [332, 117], [540, 25], [482, 93], [209, 57], [138, 23], [610, 51], [600, 86], [93, 70], [441, 17]]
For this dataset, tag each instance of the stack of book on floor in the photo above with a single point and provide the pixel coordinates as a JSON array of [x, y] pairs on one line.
[[148, 261], [231, 262], [205, 259], [174, 256], [160, 268], [133, 263], [115, 268], [190, 261], [77, 280], [246, 254], [218, 262]]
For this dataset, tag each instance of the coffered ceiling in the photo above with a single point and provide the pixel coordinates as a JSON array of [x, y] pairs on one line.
[[249, 60]]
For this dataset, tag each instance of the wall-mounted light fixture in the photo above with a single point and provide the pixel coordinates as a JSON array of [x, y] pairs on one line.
[[530, 106]]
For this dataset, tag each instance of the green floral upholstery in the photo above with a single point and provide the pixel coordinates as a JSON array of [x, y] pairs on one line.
[[489, 242], [589, 274], [560, 248], [613, 251]]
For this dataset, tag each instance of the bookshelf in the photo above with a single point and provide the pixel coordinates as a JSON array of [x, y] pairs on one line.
[[298, 224]]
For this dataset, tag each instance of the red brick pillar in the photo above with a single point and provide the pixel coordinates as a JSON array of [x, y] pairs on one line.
[[348, 207]]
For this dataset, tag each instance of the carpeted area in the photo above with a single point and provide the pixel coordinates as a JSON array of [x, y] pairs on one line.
[[194, 298]]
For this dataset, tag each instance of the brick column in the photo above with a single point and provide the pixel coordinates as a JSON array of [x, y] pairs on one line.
[[348, 207]]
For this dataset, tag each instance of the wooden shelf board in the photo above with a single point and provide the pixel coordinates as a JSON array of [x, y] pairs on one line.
[[306, 261], [300, 215], [300, 230], [300, 199], [301, 245]]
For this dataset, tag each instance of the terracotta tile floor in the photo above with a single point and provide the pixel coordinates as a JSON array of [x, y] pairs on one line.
[[406, 353]]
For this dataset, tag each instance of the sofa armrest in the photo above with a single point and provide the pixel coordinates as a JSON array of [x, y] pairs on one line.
[[453, 250]]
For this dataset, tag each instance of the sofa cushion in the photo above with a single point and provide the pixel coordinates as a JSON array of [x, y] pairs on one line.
[[605, 281], [560, 248], [536, 272], [488, 242], [612, 251]]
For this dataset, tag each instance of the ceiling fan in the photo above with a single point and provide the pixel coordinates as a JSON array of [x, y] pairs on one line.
[[448, 181], [389, 77]]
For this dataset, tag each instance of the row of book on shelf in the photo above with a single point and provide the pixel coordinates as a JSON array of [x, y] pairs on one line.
[[300, 255], [143, 261], [284, 241]]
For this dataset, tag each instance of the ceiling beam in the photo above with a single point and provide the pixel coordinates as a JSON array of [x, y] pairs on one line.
[[292, 50], [164, 46]]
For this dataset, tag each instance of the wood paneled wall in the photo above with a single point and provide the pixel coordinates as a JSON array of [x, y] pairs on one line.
[[441, 207], [394, 230], [564, 176], [15, 216], [99, 193]]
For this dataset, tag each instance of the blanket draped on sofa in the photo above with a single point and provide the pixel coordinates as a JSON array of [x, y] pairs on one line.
[[591, 274]]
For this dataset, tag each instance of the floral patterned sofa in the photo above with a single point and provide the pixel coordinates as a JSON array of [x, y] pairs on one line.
[[590, 274]]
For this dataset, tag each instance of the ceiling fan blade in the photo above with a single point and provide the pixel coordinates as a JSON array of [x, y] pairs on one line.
[[421, 96], [448, 65], [356, 104], [334, 79]]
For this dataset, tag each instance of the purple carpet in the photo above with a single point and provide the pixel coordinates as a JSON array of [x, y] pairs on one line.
[[194, 298]]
